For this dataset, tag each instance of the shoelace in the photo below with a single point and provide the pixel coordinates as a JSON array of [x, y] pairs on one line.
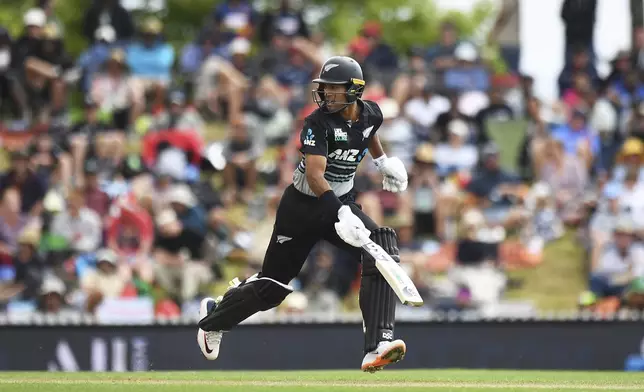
[[213, 337]]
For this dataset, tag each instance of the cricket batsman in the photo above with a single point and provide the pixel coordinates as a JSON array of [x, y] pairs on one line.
[[320, 205]]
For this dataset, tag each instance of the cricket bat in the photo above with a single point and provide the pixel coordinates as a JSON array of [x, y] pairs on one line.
[[393, 273]]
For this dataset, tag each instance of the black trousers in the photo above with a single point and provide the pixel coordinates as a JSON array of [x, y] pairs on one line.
[[300, 224]]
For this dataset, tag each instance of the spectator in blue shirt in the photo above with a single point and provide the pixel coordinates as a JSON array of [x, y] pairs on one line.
[[95, 56], [235, 18], [441, 55], [150, 59], [578, 138], [195, 53]]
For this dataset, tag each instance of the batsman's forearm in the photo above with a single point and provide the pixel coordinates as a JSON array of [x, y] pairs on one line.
[[317, 183], [320, 186]]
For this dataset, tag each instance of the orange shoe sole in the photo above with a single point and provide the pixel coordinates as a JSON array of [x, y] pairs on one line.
[[395, 354]]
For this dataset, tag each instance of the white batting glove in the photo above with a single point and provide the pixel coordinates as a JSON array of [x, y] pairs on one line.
[[393, 172], [350, 228]]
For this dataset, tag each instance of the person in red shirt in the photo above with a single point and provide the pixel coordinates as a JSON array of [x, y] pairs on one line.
[[130, 233]]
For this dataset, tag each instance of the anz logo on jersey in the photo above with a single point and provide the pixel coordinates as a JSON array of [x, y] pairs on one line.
[[309, 140], [351, 155]]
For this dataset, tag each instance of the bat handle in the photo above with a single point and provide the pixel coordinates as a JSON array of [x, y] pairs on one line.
[[364, 236]]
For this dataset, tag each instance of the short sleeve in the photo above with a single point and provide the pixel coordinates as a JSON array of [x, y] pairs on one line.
[[378, 118], [313, 139]]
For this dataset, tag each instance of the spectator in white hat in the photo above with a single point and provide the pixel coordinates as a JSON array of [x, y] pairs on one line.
[[92, 59], [456, 155], [34, 21], [104, 281]]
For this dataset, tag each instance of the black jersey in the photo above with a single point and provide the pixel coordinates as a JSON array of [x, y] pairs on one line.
[[343, 143]]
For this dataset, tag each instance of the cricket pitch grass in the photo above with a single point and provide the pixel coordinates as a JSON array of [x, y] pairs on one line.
[[328, 381]]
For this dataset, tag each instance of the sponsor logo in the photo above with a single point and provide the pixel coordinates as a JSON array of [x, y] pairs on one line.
[[309, 140], [346, 155], [340, 135], [388, 335], [103, 353], [367, 132], [282, 239], [329, 67], [411, 291]]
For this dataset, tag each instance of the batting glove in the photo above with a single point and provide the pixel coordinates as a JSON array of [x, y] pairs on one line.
[[393, 172], [350, 228]]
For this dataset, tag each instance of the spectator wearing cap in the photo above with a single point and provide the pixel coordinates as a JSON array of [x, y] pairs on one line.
[[424, 187], [177, 254], [111, 13], [28, 43], [287, 19], [235, 18], [578, 139], [619, 263], [115, 92], [188, 211], [79, 225], [93, 58], [30, 187], [631, 155], [150, 59], [456, 155], [52, 296], [105, 281]]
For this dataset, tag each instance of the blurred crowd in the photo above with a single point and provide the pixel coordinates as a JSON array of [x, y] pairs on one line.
[[168, 178]]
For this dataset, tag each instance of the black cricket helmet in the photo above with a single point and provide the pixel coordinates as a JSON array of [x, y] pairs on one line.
[[340, 70]]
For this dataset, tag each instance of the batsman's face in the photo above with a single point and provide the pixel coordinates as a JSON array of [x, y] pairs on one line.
[[335, 96]]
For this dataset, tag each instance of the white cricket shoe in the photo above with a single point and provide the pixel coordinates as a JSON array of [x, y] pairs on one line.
[[209, 342], [386, 353]]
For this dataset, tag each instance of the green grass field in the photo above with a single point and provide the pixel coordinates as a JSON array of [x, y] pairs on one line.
[[331, 381]]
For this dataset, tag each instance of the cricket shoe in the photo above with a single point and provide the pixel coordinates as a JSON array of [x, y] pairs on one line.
[[209, 341], [386, 353]]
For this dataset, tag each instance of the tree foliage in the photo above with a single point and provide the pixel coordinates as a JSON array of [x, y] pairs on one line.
[[406, 23]]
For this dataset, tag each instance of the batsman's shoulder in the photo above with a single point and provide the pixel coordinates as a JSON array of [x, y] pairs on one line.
[[373, 109]]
